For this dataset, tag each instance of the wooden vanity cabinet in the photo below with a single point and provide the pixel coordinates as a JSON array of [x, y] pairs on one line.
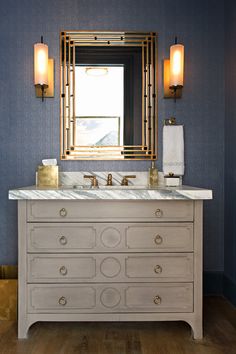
[[94, 260]]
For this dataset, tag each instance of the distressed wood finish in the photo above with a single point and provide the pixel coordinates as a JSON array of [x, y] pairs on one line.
[[110, 261]]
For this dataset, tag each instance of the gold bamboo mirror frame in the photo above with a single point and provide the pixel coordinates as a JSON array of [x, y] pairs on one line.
[[73, 45]]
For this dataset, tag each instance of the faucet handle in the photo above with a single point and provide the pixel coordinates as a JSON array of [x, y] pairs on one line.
[[109, 179], [94, 181], [125, 181]]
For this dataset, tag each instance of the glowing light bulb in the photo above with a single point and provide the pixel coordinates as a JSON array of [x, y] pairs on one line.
[[176, 65]]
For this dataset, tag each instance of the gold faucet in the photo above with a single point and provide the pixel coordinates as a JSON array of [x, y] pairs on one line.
[[94, 181], [125, 181], [109, 179]]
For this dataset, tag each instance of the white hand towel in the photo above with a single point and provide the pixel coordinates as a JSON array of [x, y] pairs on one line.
[[173, 150]]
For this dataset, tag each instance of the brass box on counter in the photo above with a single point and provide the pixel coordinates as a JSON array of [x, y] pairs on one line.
[[8, 293], [48, 176]]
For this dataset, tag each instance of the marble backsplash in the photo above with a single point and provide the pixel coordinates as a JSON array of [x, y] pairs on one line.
[[77, 178]]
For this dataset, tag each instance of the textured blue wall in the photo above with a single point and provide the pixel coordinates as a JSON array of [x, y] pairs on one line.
[[29, 129], [230, 142]]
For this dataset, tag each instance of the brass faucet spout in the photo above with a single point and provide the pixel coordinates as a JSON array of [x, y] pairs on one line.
[[94, 182]]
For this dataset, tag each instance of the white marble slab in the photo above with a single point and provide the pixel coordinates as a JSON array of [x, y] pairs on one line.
[[111, 193]]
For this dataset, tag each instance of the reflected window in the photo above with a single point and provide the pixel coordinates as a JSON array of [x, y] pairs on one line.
[[99, 105]]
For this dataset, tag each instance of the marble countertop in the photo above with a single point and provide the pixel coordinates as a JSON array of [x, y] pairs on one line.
[[111, 193]]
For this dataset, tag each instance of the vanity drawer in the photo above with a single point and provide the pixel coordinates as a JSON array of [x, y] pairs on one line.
[[162, 238], [109, 237], [60, 237], [115, 267], [60, 298], [160, 298], [48, 268], [110, 298], [90, 210], [167, 267]]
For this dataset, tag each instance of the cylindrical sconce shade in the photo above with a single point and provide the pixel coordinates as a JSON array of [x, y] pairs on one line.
[[176, 66], [40, 64]]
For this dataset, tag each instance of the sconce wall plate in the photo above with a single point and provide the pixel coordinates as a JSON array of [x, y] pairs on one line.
[[49, 91], [169, 93]]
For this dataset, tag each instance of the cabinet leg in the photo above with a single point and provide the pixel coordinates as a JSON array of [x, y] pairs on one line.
[[22, 330], [197, 332]]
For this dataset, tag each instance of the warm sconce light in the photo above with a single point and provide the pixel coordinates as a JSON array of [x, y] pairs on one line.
[[43, 71], [174, 72]]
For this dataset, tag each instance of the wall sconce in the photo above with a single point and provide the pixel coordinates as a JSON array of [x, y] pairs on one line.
[[174, 72], [43, 71]]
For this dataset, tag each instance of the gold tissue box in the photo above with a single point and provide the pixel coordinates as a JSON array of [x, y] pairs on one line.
[[48, 176]]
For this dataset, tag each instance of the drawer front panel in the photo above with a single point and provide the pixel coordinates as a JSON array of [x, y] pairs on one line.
[[60, 268], [97, 210], [110, 237], [168, 267], [61, 298], [112, 298], [60, 237], [161, 297], [168, 237], [109, 268]]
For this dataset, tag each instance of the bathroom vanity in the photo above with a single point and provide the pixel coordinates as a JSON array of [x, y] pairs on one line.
[[110, 255]]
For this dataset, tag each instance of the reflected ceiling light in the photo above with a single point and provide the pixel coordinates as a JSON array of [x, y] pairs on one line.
[[174, 71], [96, 71], [43, 71]]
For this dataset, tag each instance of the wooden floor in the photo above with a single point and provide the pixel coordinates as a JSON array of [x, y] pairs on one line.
[[127, 338]]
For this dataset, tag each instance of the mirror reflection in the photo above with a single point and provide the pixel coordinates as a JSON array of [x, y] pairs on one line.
[[99, 105]]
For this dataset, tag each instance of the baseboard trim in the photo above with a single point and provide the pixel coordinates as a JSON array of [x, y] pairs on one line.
[[229, 289]]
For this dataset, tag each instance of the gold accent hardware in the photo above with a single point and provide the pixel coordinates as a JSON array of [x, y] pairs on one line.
[[48, 176], [63, 270], [169, 121], [158, 269], [158, 240], [62, 301], [94, 181], [146, 43], [157, 300], [63, 240], [125, 181], [158, 213], [109, 179], [63, 212]]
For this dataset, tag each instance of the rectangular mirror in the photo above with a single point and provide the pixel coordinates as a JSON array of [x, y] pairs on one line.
[[108, 95]]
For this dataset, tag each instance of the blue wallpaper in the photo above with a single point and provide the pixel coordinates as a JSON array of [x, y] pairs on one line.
[[230, 134], [29, 129]]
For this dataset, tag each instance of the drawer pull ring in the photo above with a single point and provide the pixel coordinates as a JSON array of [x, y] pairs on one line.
[[158, 269], [62, 301], [63, 270], [63, 240], [157, 300], [63, 212], [158, 213], [158, 240]]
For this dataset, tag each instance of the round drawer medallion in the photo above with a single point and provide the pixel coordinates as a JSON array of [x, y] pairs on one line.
[[110, 267], [110, 297], [110, 237]]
